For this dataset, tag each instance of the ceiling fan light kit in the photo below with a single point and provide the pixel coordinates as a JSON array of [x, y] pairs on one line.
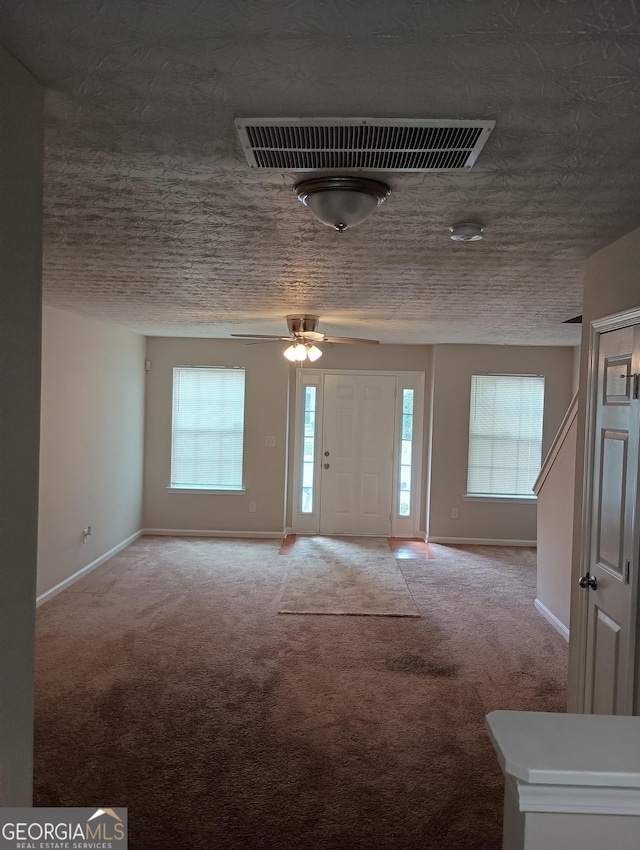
[[341, 202], [305, 325], [466, 231], [300, 351], [303, 336]]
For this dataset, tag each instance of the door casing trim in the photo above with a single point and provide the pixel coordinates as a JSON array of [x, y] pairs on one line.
[[400, 526]]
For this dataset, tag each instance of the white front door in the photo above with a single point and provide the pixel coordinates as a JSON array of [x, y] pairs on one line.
[[611, 580], [357, 454]]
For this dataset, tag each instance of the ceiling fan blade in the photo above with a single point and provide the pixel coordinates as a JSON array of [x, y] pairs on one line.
[[312, 336], [306, 337], [260, 336], [352, 340], [266, 341]]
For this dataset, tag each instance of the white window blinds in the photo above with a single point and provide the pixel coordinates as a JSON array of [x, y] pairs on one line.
[[207, 428], [505, 434]]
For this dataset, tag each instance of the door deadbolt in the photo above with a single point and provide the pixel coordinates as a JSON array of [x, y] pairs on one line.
[[326, 454]]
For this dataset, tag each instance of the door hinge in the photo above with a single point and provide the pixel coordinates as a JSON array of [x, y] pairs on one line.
[[627, 569]]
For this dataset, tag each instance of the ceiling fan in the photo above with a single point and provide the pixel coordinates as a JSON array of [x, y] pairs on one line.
[[305, 338]]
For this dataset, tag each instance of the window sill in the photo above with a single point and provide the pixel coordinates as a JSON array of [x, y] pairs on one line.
[[504, 500], [215, 491]]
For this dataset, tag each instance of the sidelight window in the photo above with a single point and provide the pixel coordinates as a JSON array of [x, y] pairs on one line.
[[309, 448], [404, 490]]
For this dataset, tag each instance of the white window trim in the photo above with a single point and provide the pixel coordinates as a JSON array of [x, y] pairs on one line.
[[309, 523], [216, 491], [505, 500], [213, 490], [498, 498]]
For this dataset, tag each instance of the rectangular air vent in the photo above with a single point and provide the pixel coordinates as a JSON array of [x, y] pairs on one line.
[[318, 144]]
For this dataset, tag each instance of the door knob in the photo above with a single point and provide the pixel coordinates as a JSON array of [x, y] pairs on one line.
[[588, 581], [326, 465]]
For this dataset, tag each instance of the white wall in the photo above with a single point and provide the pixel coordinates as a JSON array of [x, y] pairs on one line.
[[397, 358], [21, 129], [266, 414], [575, 373], [269, 406], [92, 442], [453, 367], [611, 285], [270, 384], [611, 282], [555, 527]]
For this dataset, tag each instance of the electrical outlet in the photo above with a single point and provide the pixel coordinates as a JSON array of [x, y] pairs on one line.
[[86, 533], [270, 442], [454, 513], [252, 507]]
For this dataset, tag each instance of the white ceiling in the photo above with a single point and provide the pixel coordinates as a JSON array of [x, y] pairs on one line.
[[154, 220]]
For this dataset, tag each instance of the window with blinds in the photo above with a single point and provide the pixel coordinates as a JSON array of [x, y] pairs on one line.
[[207, 428], [505, 434]]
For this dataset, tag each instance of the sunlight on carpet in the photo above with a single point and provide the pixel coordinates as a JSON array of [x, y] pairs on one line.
[[355, 575]]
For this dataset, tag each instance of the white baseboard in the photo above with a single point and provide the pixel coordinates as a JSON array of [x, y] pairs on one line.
[[557, 624], [481, 541], [190, 532], [67, 582]]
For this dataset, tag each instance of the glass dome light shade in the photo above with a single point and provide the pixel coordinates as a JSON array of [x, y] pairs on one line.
[[466, 231], [341, 208], [313, 352], [341, 202]]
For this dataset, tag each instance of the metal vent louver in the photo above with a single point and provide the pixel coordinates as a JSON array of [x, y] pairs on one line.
[[319, 144]]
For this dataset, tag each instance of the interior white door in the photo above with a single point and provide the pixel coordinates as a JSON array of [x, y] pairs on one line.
[[357, 454], [611, 580]]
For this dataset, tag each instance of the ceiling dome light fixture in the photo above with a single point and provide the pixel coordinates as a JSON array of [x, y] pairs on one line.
[[300, 351], [466, 231], [341, 202]]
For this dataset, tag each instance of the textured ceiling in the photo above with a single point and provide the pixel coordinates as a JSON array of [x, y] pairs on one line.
[[154, 220]]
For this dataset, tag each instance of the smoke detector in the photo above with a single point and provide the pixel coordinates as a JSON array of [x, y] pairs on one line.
[[466, 231]]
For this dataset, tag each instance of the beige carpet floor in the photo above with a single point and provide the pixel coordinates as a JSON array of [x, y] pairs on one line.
[[167, 682], [345, 575]]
